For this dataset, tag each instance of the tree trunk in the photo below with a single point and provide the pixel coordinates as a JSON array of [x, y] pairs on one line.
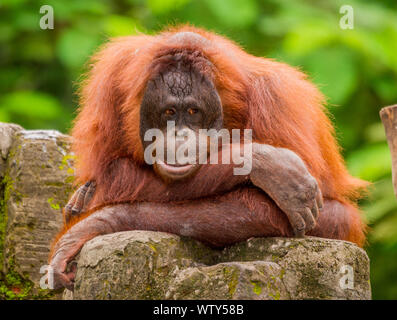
[[389, 119]]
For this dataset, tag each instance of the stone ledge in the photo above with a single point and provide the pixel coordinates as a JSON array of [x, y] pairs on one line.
[[155, 265]]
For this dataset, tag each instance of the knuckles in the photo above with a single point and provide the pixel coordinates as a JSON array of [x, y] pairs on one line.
[[284, 175], [63, 280], [63, 273]]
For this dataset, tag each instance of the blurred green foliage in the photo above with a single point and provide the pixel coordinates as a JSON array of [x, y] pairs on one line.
[[356, 69]]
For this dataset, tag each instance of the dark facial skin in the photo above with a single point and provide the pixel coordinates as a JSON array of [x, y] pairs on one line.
[[188, 98]]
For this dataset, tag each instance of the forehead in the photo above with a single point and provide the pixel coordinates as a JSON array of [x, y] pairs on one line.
[[179, 82], [179, 78], [181, 65]]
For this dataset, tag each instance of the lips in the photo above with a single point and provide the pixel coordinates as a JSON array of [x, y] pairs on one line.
[[175, 169]]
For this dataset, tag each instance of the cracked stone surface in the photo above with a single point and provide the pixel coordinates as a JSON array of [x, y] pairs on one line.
[[155, 265], [37, 174]]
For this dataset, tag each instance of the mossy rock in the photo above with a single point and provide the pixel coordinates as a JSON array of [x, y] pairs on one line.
[[156, 265], [37, 172]]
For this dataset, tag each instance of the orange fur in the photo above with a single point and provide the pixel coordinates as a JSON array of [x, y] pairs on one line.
[[275, 100]]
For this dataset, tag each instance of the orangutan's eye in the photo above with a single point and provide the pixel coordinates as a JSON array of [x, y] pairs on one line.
[[192, 111], [169, 112]]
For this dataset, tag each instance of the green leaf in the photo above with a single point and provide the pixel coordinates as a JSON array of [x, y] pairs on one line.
[[72, 10], [4, 116], [386, 87], [375, 132], [7, 32], [386, 230], [234, 13], [27, 20], [334, 70], [31, 104], [13, 3], [381, 201], [36, 48], [165, 6], [74, 47], [116, 25], [309, 36], [370, 162]]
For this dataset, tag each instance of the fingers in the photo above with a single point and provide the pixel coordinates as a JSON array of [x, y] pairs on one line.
[[66, 280], [80, 200], [70, 280], [318, 204], [298, 224], [319, 199], [310, 221], [89, 194], [302, 221], [63, 280], [79, 204], [310, 213], [315, 211], [63, 274], [69, 206], [305, 210]]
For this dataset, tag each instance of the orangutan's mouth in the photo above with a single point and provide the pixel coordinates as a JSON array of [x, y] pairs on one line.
[[176, 170]]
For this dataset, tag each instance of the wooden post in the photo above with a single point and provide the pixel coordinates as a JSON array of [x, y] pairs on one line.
[[389, 119]]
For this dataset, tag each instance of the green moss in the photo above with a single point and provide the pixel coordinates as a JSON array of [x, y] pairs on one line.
[[8, 189], [5, 189], [14, 286], [282, 273], [67, 163], [272, 289], [69, 179], [65, 160], [309, 283], [257, 287], [275, 296], [54, 205], [232, 276]]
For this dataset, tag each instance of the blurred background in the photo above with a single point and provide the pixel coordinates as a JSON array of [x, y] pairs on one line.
[[356, 69]]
